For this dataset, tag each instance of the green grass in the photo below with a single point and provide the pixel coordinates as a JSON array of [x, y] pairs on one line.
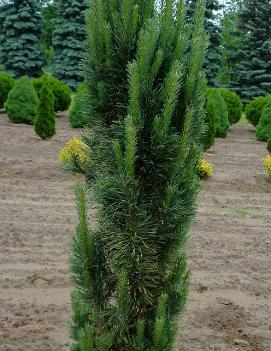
[[239, 210], [243, 121]]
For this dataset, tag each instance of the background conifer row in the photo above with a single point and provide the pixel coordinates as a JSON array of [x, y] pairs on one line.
[[68, 40], [20, 32], [251, 61]]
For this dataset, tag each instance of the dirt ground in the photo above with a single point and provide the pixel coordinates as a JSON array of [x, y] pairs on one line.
[[229, 307]]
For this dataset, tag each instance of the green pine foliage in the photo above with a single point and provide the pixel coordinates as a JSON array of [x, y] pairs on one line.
[[263, 129], [6, 84], [69, 41], [208, 137], [49, 14], [61, 91], [254, 109], [22, 102], [269, 144], [20, 33], [251, 75], [230, 41], [234, 105], [44, 122], [219, 110], [213, 55], [77, 114], [145, 90]]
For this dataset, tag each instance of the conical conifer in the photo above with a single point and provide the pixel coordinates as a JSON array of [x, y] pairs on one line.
[[20, 32], [263, 129], [145, 89], [269, 144], [69, 41], [251, 63], [22, 102], [44, 122]]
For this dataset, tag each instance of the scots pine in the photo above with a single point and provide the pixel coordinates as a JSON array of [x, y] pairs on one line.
[[145, 89], [213, 56]]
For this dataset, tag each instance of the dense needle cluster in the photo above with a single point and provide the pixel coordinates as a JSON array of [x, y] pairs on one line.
[[145, 92], [213, 57]]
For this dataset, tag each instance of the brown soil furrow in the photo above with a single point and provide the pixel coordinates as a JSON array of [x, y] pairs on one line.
[[229, 305]]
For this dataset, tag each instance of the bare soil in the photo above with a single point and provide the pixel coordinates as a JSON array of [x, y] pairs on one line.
[[229, 307]]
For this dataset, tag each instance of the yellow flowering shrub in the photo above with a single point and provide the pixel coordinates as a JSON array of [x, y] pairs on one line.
[[267, 163], [205, 169], [75, 149]]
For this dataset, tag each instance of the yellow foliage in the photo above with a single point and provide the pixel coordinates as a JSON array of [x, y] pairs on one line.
[[74, 149], [267, 163], [205, 169]]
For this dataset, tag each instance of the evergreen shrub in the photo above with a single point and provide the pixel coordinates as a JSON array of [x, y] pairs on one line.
[[234, 104], [205, 169], [218, 108], [254, 109], [22, 102], [269, 144], [145, 88], [44, 122], [208, 137], [267, 164], [6, 84], [68, 38], [250, 60], [20, 37], [75, 156], [75, 148], [61, 91], [263, 129], [77, 114]]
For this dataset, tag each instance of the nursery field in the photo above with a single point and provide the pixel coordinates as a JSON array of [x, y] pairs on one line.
[[229, 249]]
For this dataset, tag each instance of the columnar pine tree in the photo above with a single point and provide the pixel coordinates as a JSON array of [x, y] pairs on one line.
[[146, 98], [44, 122], [212, 62], [251, 76], [20, 32], [69, 41]]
